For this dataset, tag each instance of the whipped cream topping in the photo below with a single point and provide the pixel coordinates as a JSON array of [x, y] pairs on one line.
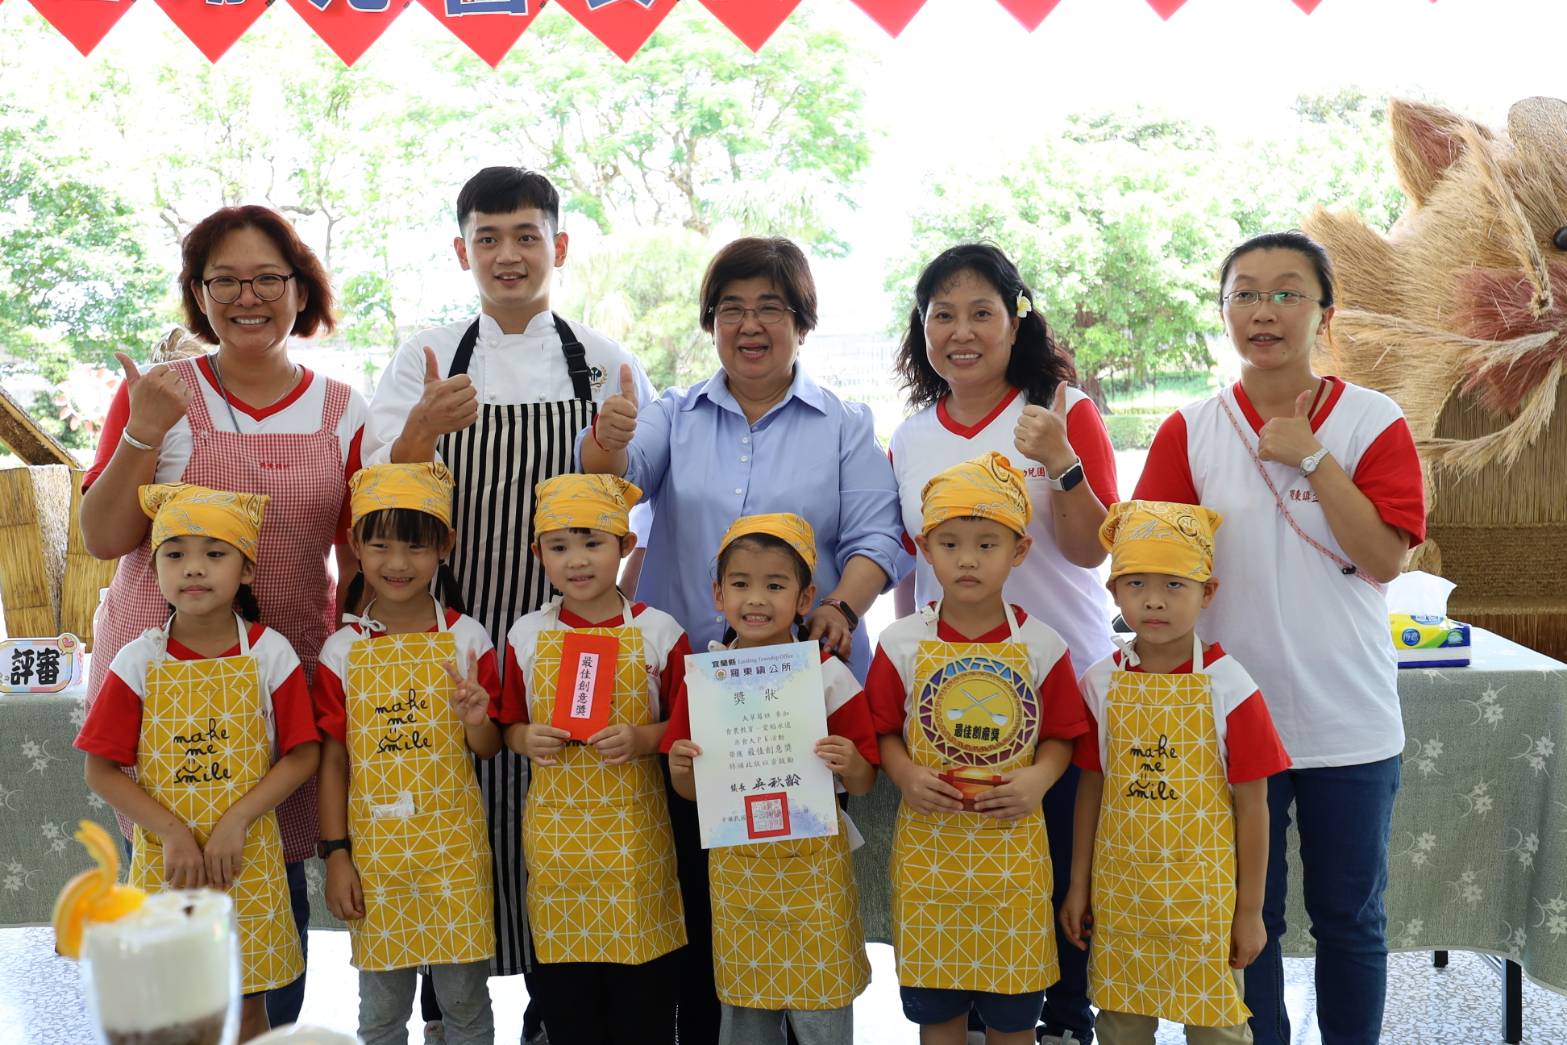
[[173, 960]]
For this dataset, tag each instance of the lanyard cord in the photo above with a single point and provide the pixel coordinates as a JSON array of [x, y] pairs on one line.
[[1344, 565]]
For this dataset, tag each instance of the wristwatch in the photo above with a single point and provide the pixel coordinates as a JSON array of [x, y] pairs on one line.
[[1067, 479], [845, 609], [325, 847], [1309, 464]]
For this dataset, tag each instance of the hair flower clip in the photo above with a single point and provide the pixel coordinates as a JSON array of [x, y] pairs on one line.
[[1024, 306]]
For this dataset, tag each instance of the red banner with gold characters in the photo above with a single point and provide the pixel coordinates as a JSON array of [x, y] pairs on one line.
[[491, 28]]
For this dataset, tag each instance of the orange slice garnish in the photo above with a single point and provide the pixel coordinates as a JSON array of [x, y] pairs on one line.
[[92, 895]]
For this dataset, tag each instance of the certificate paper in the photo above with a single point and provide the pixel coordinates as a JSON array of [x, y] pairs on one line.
[[757, 715]]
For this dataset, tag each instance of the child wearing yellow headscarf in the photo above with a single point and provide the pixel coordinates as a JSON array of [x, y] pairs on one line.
[[589, 680], [213, 712], [1180, 747], [976, 705], [403, 693], [787, 942]]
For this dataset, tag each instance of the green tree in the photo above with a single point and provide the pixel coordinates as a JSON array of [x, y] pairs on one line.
[[75, 279], [640, 288], [1114, 226], [696, 131]]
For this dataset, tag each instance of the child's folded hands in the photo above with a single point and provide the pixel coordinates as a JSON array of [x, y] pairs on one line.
[[925, 791], [615, 744], [224, 849], [184, 866], [1021, 795], [542, 742]]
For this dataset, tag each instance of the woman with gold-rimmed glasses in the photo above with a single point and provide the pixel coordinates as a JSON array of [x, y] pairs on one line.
[[1320, 487], [245, 418]]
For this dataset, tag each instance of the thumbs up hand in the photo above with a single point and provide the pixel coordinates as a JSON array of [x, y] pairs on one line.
[[1289, 440], [617, 417], [1041, 436], [448, 404], [158, 399]]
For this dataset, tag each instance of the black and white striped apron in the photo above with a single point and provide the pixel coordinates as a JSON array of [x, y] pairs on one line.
[[496, 462]]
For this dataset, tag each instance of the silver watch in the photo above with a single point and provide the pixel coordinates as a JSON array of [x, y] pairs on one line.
[[1309, 464]]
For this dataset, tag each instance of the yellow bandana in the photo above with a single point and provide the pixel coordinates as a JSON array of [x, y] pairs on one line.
[[987, 487], [587, 502], [786, 526], [1160, 537], [183, 510], [424, 487]]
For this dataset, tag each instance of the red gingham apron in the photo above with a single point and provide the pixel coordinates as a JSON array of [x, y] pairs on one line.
[[303, 473]]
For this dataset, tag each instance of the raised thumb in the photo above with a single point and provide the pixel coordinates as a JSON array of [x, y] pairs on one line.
[[1303, 404], [628, 383], [432, 369], [132, 375]]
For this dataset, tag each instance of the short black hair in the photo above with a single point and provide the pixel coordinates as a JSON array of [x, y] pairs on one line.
[[1295, 240], [413, 527], [501, 190]]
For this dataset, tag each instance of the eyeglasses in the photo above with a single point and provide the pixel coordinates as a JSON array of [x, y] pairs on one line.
[[268, 286], [767, 315], [1277, 298]]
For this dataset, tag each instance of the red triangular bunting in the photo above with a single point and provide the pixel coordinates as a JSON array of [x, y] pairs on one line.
[[891, 15], [1166, 8], [213, 27], [1030, 12], [753, 21], [1307, 6], [488, 27], [349, 27], [621, 25], [83, 22]]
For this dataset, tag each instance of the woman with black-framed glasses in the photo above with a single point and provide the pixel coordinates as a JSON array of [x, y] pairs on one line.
[[246, 418]]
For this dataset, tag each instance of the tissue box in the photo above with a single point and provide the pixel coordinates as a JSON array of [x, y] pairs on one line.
[[1429, 642]]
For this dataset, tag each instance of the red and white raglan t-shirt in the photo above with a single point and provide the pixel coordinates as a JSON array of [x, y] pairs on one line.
[[1316, 639], [1072, 600], [664, 644], [848, 714], [1249, 746], [297, 413], [890, 684], [113, 726], [328, 688]]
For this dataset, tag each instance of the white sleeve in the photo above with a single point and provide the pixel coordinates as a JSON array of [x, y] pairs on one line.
[[399, 389]]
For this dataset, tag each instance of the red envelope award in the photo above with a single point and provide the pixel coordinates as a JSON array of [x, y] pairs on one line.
[[973, 782], [586, 685]]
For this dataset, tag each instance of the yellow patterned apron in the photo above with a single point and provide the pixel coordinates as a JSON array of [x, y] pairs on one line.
[[602, 885], [203, 747], [418, 832], [1164, 856], [970, 893], [786, 923]]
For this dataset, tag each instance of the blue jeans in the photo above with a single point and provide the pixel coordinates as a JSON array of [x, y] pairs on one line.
[[284, 1003], [1343, 815]]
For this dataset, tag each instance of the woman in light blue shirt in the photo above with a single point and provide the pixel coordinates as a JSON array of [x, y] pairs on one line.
[[758, 436]]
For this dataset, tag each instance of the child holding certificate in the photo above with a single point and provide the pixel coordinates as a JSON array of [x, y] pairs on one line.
[[402, 697], [787, 943], [976, 705], [588, 680], [1174, 792]]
